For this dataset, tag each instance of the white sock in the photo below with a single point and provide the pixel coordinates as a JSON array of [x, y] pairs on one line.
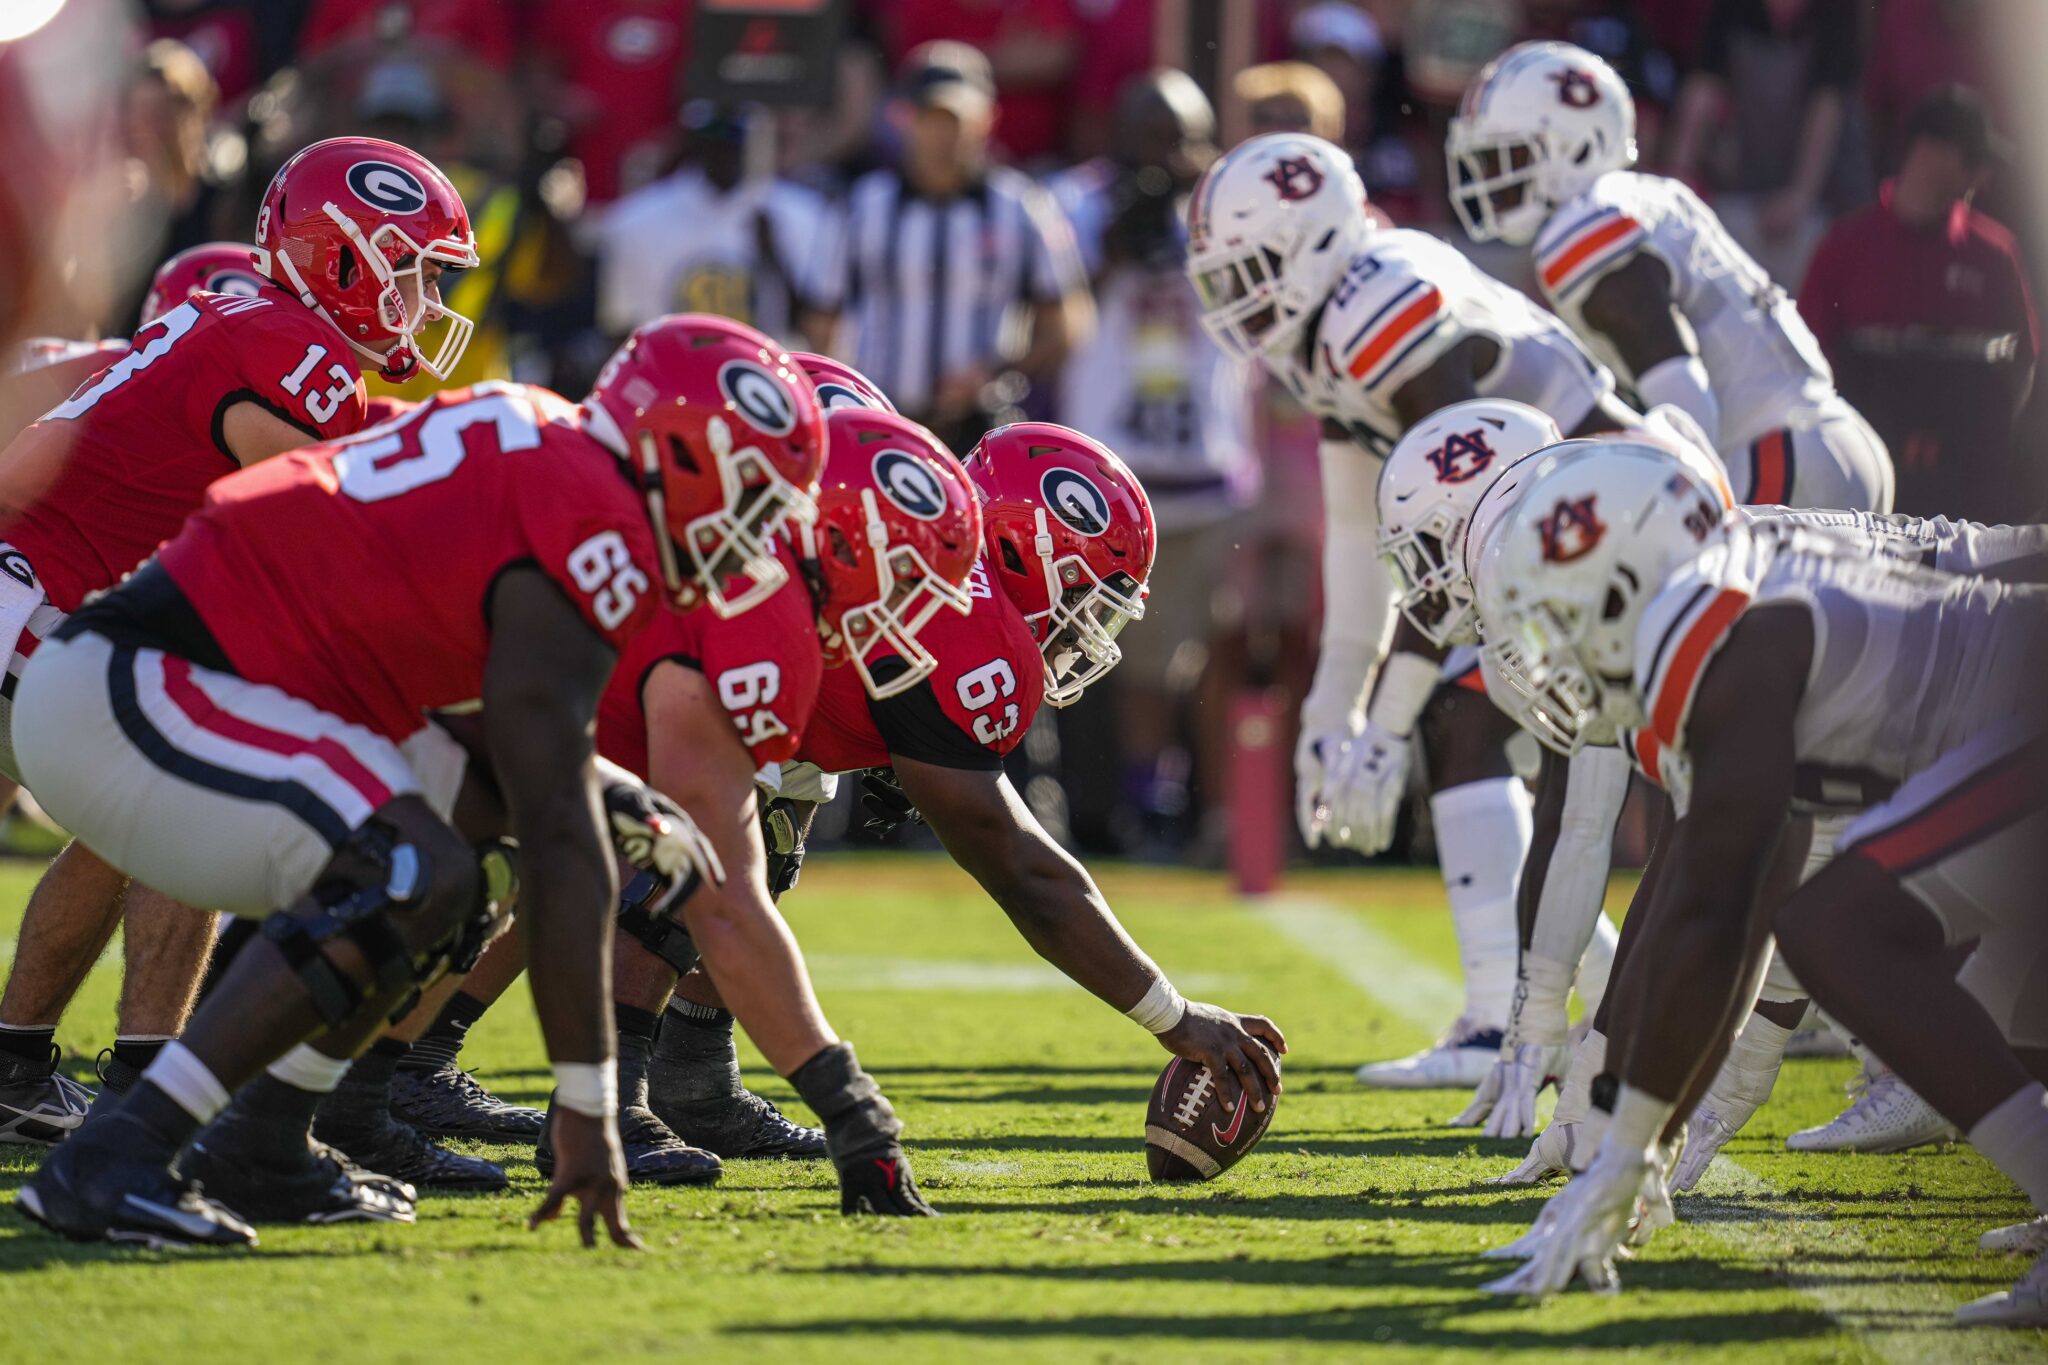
[[1483, 830], [1748, 1072], [1575, 1093], [2014, 1138], [1597, 965], [188, 1081], [309, 1069]]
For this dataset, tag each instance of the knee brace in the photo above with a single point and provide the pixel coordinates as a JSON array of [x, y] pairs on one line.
[[401, 887], [663, 935], [783, 837]]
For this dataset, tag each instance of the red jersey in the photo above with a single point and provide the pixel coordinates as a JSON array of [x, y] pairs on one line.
[[765, 664], [106, 476], [51, 370], [356, 575], [972, 710], [620, 62]]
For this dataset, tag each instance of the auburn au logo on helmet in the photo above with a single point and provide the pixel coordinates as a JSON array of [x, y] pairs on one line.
[[1295, 177], [1571, 530], [1463, 455]]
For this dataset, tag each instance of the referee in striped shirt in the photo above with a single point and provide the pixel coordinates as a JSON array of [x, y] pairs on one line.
[[950, 273]]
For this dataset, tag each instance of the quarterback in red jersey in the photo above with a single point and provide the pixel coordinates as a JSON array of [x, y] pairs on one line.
[[1067, 545], [227, 727], [356, 231]]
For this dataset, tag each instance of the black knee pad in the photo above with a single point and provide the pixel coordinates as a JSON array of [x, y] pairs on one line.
[[409, 910], [663, 935]]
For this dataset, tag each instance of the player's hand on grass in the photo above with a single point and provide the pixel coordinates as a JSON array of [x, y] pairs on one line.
[[590, 1167], [1241, 1050], [861, 1135], [1520, 1076], [1589, 1222]]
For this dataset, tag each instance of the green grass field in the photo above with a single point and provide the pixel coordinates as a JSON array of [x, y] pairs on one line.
[[1355, 1226]]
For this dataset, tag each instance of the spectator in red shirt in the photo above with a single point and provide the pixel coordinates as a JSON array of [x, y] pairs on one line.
[[620, 63], [1921, 303], [1033, 47]]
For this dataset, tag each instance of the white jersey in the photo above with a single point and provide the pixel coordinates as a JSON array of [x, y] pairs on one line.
[[1405, 301], [1761, 358], [1908, 662]]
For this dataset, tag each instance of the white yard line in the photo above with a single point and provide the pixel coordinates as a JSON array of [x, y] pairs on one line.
[[1422, 994]]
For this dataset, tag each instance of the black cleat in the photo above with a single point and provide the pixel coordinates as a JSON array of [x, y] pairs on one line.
[[117, 1078], [403, 1152], [449, 1102], [741, 1124], [271, 1187], [38, 1106], [92, 1189], [654, 1155]]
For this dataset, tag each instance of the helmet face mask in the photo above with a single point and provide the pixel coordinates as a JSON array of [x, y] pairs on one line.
[[1436, 597], [1495, 187], [1079, 629], [731, 549]]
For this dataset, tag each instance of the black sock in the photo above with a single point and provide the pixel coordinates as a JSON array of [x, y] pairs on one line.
[[694, 1056], [138, 1052], [636, 1042], [362, 1102], [28, 1044], [163, 1121], [442, 1043]]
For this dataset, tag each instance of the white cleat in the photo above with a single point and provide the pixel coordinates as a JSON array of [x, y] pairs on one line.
[[1886, 1117], [2030, 1238], [1460, 1060], [2023, 1305]]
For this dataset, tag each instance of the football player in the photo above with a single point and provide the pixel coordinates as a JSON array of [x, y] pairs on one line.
[[1539, 152], [1760, 670], [764, 668], [350, 243], [1066, 548], [228, 728], [1373, 330]]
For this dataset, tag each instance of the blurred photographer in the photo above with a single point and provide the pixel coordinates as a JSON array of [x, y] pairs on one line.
[[1156, 389]]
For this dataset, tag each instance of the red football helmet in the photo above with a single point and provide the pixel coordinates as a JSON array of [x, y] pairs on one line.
[[1069, 534], [215, 268], [346, 225], [896, 536], [840, 385], [728, 442]]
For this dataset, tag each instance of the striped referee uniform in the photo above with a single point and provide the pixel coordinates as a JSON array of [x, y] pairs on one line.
[[933, 286]]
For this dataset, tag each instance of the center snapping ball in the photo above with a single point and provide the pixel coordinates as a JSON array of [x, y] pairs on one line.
[[1189, 1135]]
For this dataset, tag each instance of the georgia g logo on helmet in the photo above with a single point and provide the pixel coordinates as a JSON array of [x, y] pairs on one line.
[[1072, 497], [387, 188], [833, 395], [909, 483], [1571, 530], [1462, 456], [760, 397]]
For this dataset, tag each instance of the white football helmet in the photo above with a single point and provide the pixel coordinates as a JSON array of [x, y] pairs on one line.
[[1538, 124], [1430, 484], [1271, 228], [1563, 578]]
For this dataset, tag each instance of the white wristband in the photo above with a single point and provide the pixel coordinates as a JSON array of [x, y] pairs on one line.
[[1639, 1120], [1160, 1010], [1407, 681], [589, 1088]]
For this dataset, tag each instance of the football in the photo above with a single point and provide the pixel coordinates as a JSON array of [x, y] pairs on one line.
[[1189, 1135]]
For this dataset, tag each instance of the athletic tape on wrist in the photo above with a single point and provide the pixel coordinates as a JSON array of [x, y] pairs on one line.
[[1639, 1120], [1407, 682], [1161, 1009], [589, 1088]]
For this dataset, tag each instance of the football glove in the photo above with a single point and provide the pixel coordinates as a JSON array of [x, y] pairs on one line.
[[657, 836], [1364, 790], [861, 1136], [884, 804], [1314, 754]]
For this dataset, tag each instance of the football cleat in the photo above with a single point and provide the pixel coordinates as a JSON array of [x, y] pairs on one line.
[[404, 1153], [741, 1125], [449, 1102], [2031, 1238], [654, 1155], [117, 1078], [1459, 1061], [92, 1190], [2023, 1305], [1886, 1117], [320, 1187], [38, 1106]]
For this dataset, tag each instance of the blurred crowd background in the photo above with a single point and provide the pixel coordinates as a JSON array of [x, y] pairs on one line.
[[983, 212]]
